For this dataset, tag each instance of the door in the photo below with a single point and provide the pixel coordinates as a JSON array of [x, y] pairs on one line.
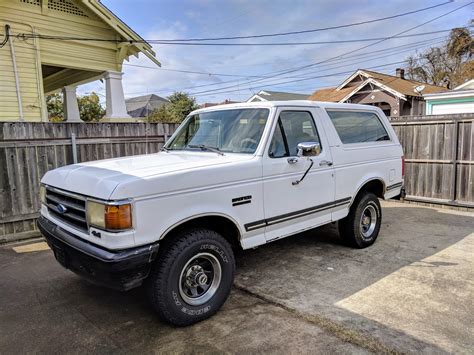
[[289, 206]]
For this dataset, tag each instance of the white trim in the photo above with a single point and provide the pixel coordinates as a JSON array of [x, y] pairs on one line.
[[467, 83], [256, 96], [375, 82], [449, 95], [349, 79]]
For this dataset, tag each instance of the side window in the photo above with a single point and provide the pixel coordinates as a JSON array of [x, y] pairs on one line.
[[358, 127], [293, 127]]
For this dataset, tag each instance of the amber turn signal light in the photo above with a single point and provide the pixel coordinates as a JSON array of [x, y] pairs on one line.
[[118, 217]]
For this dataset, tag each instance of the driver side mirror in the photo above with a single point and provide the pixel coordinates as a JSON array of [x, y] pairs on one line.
[[309, 149]]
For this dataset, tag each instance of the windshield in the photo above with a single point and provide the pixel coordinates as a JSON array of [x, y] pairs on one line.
[[233, 131]]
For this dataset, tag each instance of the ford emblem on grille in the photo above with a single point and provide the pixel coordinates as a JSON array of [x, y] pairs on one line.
[[61, 208]]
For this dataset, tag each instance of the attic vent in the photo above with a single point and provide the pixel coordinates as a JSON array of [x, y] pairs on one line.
[[32, 2], [65, 6]]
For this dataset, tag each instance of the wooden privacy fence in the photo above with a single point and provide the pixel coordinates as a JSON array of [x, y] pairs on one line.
[[439, 158], [29, 150]]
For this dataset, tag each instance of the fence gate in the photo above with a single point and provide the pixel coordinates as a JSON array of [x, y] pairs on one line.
[[439, 157]]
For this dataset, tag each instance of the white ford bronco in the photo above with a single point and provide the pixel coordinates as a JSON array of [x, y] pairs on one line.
[[232, 176]]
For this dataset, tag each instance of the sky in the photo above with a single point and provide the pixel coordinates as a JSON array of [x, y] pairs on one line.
[[243, 66]]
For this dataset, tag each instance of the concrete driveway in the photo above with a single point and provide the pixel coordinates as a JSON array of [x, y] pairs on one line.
[[412, 291]]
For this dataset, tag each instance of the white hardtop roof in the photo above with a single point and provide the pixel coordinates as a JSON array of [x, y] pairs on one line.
[[292, 103]]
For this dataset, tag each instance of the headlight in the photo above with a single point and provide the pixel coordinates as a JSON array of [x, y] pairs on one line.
[[43, 194], [109, 216]]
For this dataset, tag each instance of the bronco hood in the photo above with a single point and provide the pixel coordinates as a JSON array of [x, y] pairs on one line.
[[100, 178]]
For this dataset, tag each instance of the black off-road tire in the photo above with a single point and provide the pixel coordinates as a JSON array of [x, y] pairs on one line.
[[350, 227], [164, 280]]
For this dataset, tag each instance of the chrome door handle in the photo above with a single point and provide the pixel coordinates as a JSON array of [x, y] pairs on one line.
[[292, 160], [325, 162]]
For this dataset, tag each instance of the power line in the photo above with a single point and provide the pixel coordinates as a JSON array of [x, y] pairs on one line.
[[413, 44], [241, 44], [279, 73], [303, 79], [245, 44], [336, 67], [316, 77], [258, 35], [311, 30]]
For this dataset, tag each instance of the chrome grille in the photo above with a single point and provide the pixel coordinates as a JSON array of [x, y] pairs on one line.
[[67, 207]]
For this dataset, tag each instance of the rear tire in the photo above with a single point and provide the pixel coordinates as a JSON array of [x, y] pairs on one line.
[[192, 277], [361, 227]]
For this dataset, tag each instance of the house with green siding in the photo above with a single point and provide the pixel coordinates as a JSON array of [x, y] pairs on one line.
[[43, 49], [458, 100]]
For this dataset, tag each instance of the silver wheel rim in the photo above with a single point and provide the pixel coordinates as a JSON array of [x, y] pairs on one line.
[[200, 279], [368, 221]]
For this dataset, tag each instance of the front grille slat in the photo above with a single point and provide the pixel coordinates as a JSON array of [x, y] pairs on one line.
[[67, 208], [70, 204]]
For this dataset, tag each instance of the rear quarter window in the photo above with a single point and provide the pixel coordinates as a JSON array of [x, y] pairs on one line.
[[358, 126]]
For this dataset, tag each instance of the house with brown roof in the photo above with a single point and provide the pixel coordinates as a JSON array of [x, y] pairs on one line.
[[395, 95]]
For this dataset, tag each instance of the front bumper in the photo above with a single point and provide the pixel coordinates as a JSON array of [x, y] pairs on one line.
[[120, 270]]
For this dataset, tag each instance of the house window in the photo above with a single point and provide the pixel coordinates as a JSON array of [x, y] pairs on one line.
[[65, 6], [358, 126], [293, 127]]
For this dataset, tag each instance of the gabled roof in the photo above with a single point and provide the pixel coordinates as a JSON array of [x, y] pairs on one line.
[[403, 86], [330, 94], [267, 95], [394, 84], [138, 43], [142, 106]]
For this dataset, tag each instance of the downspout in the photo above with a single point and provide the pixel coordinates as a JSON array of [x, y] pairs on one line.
[[39, 78], [15, 72]]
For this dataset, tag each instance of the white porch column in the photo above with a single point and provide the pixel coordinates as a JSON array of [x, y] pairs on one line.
[[70, 106], [115, 99]]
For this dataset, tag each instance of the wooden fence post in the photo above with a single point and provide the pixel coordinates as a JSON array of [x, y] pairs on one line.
[[74, 148], [455, 160]]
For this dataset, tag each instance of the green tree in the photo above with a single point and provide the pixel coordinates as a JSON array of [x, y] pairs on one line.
[[54, 104], [161, 114], [180, 105], [447, 65], [90, 109]]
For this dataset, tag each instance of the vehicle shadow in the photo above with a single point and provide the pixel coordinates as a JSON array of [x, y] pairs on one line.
[[315, 273]]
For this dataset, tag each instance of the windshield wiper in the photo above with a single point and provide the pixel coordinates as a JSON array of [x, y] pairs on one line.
[[205, 147]]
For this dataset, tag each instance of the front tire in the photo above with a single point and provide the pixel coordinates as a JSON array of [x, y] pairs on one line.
[[361, 227], [192, 277]]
